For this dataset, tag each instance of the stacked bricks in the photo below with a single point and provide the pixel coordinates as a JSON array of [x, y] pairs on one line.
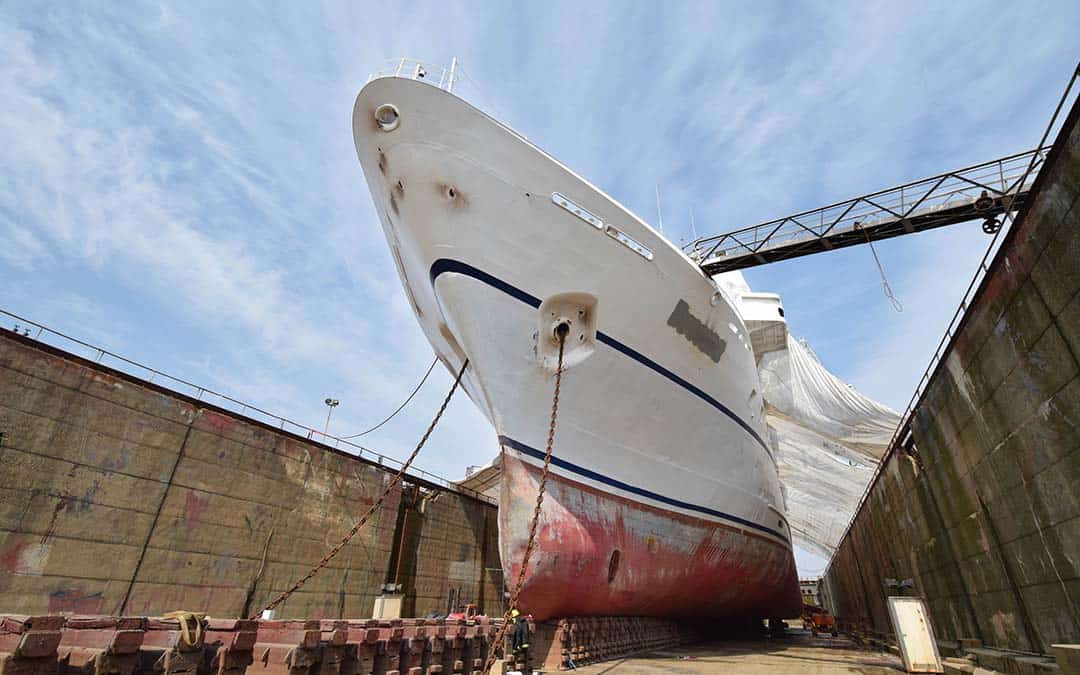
[[338, 657], [480, 638], [557, 644], [415, 646], [172, 646], [388, 652], [981, 508], [229, 645], [362, 637], [436, 648], [452, 645], [28, 644], [288, 648], [101, 645]]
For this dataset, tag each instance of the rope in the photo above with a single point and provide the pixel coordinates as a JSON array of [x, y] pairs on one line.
[[183, 617], [897, 305], [501, 635], [400, 407], [375, 505]]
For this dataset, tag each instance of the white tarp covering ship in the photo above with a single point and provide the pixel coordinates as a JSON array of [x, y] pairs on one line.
[[829, 436]]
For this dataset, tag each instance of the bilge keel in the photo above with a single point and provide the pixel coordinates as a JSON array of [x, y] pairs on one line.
[[664, 498]]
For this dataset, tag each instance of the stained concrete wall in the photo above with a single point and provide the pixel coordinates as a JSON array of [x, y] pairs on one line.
[[120, 496], [981, 508], [456, 555]]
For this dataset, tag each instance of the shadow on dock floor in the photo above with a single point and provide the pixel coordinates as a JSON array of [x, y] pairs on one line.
[[797, 652]]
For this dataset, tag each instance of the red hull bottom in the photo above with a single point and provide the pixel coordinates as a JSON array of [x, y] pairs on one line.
[[600, 554]]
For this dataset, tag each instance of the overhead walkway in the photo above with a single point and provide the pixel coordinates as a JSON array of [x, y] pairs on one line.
[[983, 191]]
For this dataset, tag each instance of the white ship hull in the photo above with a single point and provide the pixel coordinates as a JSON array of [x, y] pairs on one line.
[[665, 498]]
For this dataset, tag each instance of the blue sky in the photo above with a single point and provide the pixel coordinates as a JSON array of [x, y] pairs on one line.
[[178, 182]]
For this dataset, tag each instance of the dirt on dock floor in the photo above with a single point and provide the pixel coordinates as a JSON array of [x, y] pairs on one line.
[[797, 652]]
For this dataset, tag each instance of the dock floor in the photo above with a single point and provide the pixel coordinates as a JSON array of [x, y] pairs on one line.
[[798, 652]]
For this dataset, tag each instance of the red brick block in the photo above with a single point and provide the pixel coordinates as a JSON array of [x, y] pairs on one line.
[[287, 648], [229, 645], [388, 656], [28, 644], [101, 645], [338, 657], [172, 647]]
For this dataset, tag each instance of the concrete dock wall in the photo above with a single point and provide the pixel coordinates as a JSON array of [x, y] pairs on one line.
[[118, 496], [981, 506], [458, 553]]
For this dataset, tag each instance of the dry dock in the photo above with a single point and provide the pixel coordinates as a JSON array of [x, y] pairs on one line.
[[121, 495]]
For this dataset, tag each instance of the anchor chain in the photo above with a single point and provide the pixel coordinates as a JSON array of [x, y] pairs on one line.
[[375, 505], [560, 332]]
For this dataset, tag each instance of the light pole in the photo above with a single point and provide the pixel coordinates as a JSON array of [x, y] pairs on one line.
[[331, 403]]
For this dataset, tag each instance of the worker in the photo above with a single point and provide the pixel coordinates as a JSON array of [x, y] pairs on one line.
[[519, 642]]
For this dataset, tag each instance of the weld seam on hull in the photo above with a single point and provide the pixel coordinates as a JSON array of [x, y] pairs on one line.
[[607, 480], [443, 265]]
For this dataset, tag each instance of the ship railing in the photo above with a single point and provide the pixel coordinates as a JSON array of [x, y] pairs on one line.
[[54, 338], [453, 80], [414, 69]]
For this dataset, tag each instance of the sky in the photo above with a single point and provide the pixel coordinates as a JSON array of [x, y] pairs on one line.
[[178, 182]]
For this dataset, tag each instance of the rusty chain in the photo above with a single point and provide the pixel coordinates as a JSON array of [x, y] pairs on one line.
[[561, 332], [375, 505]]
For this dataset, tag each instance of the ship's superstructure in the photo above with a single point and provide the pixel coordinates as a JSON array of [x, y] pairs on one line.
[[664, 498]]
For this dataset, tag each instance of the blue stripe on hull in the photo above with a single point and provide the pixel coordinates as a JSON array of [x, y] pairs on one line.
[[642, 492], [443, 265]]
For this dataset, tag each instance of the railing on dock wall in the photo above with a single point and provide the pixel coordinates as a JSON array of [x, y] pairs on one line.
[[973, 290], [46, 335]]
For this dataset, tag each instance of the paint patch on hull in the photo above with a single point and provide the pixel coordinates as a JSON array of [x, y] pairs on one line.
[[696, 331]]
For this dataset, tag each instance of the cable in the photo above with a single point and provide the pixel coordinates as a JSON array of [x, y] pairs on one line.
[[897, 305], [422, 380], [488, 101]]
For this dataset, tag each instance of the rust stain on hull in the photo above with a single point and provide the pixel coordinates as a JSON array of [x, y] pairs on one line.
[[600, 554]]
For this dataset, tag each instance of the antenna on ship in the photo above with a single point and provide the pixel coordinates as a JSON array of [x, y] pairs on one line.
[[659, 213], [453, 71], [693, 228]]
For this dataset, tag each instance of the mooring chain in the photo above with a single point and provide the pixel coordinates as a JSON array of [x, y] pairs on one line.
[[560, 332], [376, 504]]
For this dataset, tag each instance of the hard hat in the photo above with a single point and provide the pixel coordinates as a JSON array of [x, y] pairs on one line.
[[514, 613]]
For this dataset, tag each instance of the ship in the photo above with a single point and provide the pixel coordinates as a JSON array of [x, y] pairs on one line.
[[663, 497]]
